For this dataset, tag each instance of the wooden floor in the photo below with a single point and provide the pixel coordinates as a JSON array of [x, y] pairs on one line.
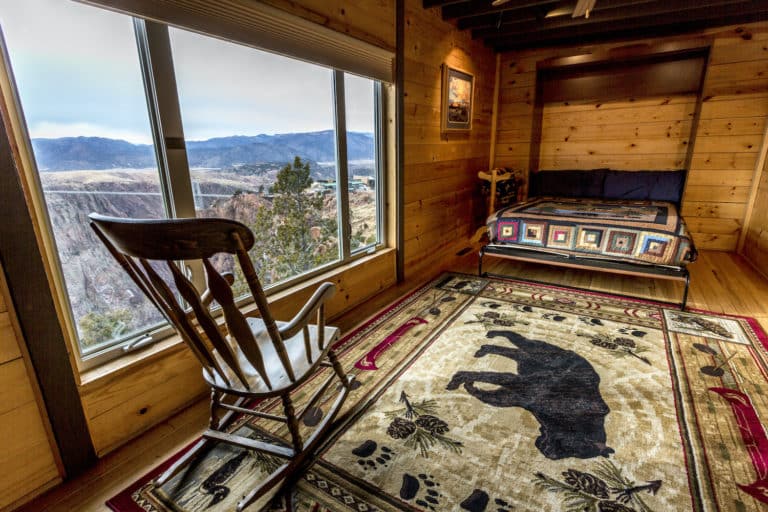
[[720, 282]]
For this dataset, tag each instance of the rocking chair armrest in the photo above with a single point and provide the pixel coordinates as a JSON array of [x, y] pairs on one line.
[[324, 292]]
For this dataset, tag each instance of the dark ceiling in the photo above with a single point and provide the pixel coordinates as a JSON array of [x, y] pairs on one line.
[[521, 24]]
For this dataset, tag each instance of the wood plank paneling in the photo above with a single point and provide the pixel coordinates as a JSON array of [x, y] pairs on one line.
[[26, 455], [442, 205], [756, 241], [652, 133], [372, 21]]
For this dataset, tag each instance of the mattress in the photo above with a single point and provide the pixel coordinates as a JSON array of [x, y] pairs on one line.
[[647, 232]]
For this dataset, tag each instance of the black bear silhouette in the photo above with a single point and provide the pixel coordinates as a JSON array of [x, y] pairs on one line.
[[559, 387]]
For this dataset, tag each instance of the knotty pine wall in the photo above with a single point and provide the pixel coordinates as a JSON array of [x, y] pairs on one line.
[[26, 456], [639, 134], [440, 174], [642, 133], [756, 242]]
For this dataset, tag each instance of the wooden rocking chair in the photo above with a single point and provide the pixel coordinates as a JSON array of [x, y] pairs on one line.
[[259, 358]]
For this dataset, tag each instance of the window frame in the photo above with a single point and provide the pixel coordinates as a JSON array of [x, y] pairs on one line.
[[161, 93]]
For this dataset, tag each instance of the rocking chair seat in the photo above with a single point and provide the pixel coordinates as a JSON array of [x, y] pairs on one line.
[[279, 380]]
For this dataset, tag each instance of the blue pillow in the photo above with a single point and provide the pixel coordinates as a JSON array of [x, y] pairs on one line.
[[644, 185], [568, 183]]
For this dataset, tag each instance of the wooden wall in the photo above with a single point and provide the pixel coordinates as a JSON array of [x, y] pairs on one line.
[[756, 242], [440, 174], [372, 21], [27, 460], [636, 133], [644, 134]]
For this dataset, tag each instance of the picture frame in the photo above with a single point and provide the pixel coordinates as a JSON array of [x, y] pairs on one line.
[[458, 89]]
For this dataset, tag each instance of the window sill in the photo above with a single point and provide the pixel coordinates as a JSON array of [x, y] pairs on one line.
[[288, 298]]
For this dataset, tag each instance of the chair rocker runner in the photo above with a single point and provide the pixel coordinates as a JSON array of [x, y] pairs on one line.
[[259, 358]]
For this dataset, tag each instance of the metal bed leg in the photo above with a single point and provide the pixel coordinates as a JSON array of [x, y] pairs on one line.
[[685, 292], [480, 262]]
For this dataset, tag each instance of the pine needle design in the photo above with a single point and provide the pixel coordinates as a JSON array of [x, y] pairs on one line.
[[607, 490], [495, 316], [418, 424]]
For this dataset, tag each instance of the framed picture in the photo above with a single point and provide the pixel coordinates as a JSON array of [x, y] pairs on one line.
[[457, 96]]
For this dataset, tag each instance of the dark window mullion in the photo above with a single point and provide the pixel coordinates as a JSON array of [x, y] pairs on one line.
[[165, 116], [342, 177], [156, 60]]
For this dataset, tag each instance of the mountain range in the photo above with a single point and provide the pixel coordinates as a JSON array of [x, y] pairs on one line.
[[78, 153]]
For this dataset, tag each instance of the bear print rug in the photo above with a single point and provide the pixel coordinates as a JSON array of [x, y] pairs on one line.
[[496, 395]]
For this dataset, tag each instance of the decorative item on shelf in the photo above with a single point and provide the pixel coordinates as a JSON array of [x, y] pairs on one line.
[[500, 187], [458, 89]]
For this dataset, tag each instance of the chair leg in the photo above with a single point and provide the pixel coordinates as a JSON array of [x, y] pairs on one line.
[[293, 423], [338, 369], [214, 422]]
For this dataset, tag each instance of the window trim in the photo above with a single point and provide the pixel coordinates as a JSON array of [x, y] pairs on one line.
[[161, 94]]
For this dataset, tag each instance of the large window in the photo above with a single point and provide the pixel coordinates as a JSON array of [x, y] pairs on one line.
[[287, 147]]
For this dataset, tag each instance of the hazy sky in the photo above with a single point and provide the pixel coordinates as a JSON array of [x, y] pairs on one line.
[[78, 73]]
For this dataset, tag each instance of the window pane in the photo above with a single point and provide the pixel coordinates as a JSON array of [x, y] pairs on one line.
[[261, 148], [361, 153], [80, 84]]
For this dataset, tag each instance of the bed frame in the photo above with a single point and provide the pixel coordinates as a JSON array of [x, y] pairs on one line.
[[603, 184]]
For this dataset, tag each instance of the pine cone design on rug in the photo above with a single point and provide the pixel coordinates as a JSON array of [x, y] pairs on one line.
[[619, 346], [418, 424], [604, 490], [493, 318], [586, 482], [432, 424], [401, 428]]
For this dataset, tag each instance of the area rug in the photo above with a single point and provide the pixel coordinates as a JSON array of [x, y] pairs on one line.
[[497, 395]]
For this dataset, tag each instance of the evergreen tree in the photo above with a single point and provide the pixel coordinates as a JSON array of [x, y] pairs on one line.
[[291, 234]]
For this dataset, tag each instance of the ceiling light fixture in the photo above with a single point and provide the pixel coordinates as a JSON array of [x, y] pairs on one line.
[[581, 8]]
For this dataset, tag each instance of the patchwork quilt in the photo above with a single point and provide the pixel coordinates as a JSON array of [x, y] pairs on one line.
[[649, 232]]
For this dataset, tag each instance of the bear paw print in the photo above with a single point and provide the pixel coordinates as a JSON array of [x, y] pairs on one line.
[[423, 489], [368, 456]]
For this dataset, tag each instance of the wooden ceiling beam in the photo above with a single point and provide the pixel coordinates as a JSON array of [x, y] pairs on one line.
[[615, 10], [648, 30], [439, 3], [531, 13], [656, 18], [480, 7], [619, 12]]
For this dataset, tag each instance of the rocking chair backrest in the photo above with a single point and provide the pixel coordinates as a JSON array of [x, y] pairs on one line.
[[134, 243]]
